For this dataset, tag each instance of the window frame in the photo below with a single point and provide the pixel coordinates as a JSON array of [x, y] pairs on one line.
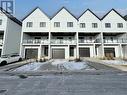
[[70, 24], [94, 25], [29, 24], [1, 21], [119, 25], [42, 24], [107, 25], [56, 24], [82, 25]]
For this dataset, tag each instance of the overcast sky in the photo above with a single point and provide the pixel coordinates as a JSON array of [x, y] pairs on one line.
[[23, 7]]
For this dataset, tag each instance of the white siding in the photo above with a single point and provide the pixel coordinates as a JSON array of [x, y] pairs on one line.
[[114, 18], [36, 17], [88, 18], [12, 38], [63, 17]]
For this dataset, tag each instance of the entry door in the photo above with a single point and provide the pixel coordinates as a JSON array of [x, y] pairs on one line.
[[31, 53], [109, 52], [58, 53], [84, 52]]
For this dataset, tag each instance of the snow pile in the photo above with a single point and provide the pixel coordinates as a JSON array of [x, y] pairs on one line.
[[30, 67], [116, 62], [75, 65], [70, 65]]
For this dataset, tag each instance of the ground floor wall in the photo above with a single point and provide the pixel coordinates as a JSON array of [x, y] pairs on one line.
[[73, 51]]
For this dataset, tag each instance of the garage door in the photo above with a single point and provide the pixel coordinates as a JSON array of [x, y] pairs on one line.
[[84, 52], [109, 52], [58, 53], [31, 53]]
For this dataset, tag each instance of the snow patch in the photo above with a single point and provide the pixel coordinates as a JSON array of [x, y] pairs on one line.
[[117, 62], [30, 67], [75, 65]]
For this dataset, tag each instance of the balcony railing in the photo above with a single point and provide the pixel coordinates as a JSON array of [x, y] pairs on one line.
[[89, 41], [62, 41], [115, 40], [36, 41]]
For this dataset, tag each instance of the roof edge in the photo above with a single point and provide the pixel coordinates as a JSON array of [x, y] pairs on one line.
[[33, 11], [91, 12]]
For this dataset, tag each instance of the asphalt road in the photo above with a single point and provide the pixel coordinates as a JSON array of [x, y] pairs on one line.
[[75, 84]]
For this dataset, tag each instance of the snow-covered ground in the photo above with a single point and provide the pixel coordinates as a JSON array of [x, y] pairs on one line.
[[59, 64], [75, 65], [117, 62], [31, 66]]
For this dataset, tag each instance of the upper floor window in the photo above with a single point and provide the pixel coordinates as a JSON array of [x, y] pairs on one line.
[[120, 25], [56, 24], [29, 24], [69, 24], [0, 21], [42, 24], [94, 25], [107, 25], [82, 25]]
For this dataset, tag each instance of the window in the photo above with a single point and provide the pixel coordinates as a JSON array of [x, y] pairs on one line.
[[29, 24], [69, 24], [120, 25], [42, 24], [82, 25], [0, 21], [56, 24], [94, 25], [107, 25]]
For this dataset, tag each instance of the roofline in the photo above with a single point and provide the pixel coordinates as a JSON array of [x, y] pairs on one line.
[[115, 12], [66, 10], [33, 11], [91, 12], [11, 17]]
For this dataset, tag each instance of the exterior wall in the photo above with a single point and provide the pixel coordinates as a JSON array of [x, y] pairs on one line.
[[124, 51], [63, 17], [88, 18], [114, 18], [12, 38], [36, 17]]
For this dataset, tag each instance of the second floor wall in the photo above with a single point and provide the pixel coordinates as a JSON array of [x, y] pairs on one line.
[[64, 21]]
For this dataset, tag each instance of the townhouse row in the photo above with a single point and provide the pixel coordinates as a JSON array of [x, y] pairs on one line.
[[65, 36]]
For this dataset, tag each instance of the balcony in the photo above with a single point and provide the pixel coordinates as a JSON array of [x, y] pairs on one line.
[[62, 41], [36, 41], [114, 40]]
